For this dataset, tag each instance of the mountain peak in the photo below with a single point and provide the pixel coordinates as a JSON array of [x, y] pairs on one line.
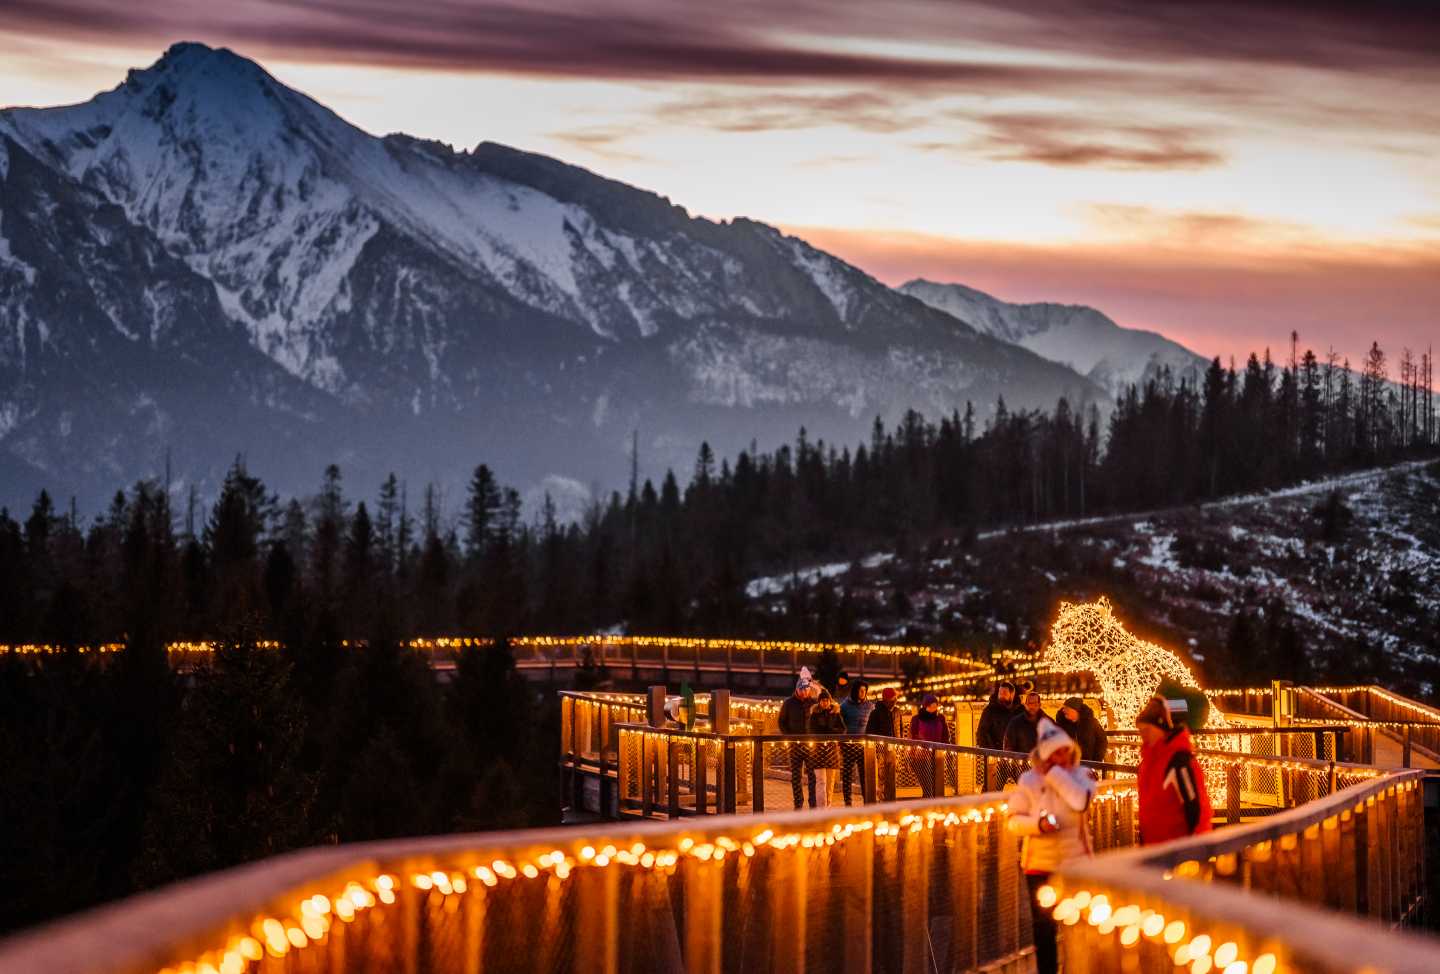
[[185, 56], [1076, 335]]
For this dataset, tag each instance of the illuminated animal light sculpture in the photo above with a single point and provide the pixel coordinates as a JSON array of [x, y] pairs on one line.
[[1086, 637]]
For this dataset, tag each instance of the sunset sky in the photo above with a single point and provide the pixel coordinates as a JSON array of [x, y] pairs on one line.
[[1221, 172]]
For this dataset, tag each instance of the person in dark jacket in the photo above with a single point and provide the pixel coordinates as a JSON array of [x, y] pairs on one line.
[[855, 709], [825, 755], [882, 718], [882, 724], [795, 720], [928, 725], [1020, 733], [996, 717], [1078, 720]]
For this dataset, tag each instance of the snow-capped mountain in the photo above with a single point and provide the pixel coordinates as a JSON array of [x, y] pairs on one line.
[[1082, 338], [242, 271]]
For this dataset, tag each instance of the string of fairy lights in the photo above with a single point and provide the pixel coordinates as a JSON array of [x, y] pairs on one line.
[[542, 645], [1198, 952], [315, 913], [1085, 638]]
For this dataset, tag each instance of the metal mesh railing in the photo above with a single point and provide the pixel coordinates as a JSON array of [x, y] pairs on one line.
[[668, 773]]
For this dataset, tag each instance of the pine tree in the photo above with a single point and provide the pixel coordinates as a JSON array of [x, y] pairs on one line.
[[482, 511]]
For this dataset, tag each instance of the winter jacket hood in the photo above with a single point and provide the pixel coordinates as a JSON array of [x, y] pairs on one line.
[[1174, 801], [1062, 792]]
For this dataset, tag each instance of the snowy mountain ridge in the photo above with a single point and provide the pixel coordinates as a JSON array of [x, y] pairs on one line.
[[416, 307], [1077, 336]]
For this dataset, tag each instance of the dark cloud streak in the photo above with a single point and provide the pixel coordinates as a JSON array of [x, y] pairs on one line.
[[1077, 143], [745, 39]]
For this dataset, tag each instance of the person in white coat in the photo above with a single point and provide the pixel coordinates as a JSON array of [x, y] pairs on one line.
[[1048, 808]]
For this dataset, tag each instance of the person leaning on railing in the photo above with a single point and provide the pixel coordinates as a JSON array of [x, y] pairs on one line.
[[928, 725], [881, 723], [1048, 807]]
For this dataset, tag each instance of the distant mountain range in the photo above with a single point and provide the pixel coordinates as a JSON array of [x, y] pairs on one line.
[[1082, 338], [202, 263]]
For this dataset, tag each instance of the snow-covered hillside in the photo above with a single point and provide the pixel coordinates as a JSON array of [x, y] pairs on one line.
[[1082, 338], [1336, 580], [436, 308]]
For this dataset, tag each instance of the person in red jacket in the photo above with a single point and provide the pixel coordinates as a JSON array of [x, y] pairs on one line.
[[1173, 799]]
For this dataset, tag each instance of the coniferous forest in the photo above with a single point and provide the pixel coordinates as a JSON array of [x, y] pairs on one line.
[[122, 774]]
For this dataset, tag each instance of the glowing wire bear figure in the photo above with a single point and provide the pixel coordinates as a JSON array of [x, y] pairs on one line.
[[1086, 637]]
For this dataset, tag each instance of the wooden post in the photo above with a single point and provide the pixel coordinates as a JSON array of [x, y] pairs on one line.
[[698, 776], [597, 918], [788, 886], [473, 908], [867, 773], [1405, 751], [720, 712], [655, 707], [411, 902], [965, 882], [915, 902], [857, 886], [1232, 799], [729, 779], [672, 771], [757, 778], [704, 905], [644, 777]]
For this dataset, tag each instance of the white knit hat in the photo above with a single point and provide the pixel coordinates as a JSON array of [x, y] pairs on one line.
[[1049, 738], [804, 682]]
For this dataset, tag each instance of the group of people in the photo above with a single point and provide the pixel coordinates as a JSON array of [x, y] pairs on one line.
[[1011, 720], [1048, 805], [812, 709]]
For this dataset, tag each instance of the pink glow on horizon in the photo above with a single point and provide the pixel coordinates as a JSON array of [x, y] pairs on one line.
[[1212, 303]]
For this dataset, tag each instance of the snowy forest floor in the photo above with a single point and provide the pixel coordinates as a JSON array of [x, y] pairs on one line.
[[1338, 579]]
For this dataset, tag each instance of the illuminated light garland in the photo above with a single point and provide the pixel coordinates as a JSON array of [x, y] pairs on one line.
[[444, 644], [1134, 922], [1086, 637], [317, 913]]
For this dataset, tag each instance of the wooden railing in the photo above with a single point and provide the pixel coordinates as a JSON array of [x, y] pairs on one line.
[[1202, 902], [914, 886], [669, 773]]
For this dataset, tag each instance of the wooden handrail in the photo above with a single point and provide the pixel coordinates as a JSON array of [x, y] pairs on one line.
[[1317, 940], [1237, 837], [149, 931], [859, 739]]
